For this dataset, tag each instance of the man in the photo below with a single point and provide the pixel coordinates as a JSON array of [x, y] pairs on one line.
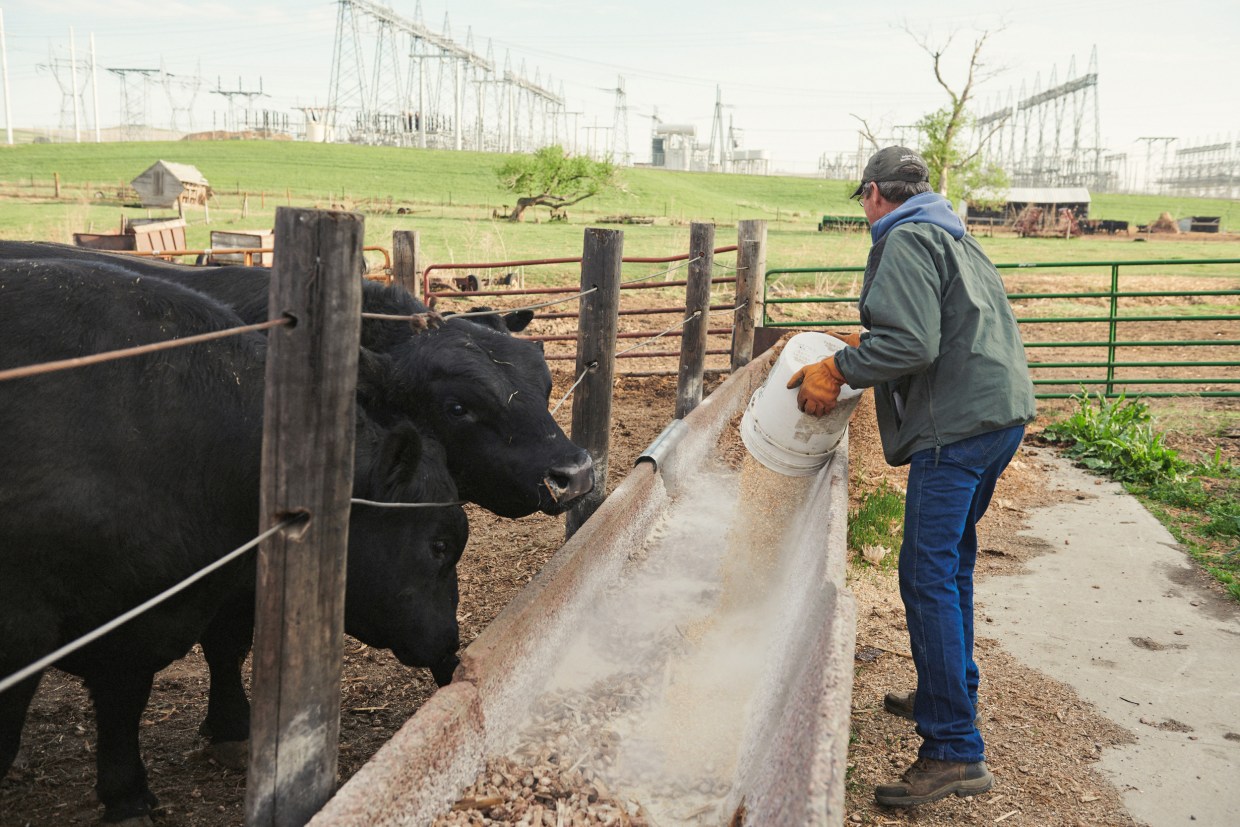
[[952, 394]]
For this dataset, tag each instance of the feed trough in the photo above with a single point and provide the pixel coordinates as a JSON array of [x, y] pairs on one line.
[[687, 655]]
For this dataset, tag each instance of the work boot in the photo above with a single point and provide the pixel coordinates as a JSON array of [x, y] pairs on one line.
[[929, 780], [901, 705]]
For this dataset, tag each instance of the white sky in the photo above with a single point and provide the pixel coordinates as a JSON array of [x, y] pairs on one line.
[[792, 74]]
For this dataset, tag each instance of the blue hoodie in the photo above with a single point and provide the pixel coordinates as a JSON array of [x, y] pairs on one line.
[[926, 208]]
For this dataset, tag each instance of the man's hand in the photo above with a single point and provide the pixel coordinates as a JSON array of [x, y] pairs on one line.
[[819, 387], [850, 339]]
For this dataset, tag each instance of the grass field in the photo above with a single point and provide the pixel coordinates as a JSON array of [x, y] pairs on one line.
[[449, 198]]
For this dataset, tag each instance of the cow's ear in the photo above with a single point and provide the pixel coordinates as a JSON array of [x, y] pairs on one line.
[[374, 376], [399, 456], [518, 320]]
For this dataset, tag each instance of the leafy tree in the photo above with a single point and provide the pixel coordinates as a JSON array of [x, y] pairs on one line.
[[956, 170], [552, 178]]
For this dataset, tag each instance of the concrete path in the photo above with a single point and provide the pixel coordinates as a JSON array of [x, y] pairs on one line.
[[1116, 611]]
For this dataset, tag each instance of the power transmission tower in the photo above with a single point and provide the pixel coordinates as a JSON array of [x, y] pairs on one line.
[[232, 94], [181, 91], [72, 91], [1051, 137], [1153, 180], [718, 156], [445, 84], [1204, 169], [134, 83], [620, 125]]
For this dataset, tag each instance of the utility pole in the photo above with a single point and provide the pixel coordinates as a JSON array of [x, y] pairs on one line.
[[94, 87], [4, 66]]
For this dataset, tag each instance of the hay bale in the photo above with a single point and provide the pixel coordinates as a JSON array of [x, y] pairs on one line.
[[1165, 224]]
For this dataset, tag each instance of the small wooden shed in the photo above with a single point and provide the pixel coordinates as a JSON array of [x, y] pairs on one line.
[[165, 184]]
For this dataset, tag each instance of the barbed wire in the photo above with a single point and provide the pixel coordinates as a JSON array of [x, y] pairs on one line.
[[527, 307], [660, 335], [125, 353], [387, 317], [593, 365], [589, 368], [538, 306], [377, 504], [662, 272], [73, 645]]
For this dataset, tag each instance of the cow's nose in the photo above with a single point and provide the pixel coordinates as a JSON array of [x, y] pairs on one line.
[[442, 671], [572, 479]]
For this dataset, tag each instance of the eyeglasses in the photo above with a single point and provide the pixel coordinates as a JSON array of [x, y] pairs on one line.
[[865, 190]]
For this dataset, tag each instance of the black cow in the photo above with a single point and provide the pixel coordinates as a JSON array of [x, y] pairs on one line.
[[483, 393], [122, 478]]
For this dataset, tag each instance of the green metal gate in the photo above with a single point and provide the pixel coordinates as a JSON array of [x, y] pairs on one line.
[[1200, 359]]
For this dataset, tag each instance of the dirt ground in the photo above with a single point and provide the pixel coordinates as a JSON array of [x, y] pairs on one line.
[[1042, 739]]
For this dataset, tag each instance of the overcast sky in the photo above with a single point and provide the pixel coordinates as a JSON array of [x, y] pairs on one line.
[[793, 76]]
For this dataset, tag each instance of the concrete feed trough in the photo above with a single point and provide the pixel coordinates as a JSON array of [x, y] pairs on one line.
[[712, 591]]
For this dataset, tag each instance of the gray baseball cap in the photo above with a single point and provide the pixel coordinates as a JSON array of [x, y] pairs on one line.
[[894, 163]]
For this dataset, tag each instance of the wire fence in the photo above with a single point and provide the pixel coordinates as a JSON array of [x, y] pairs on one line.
[[647, 281]]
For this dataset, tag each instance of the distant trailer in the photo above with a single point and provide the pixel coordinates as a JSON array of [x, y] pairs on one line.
[[1201, 224], [843, 222], [242, 239], [142, 235]]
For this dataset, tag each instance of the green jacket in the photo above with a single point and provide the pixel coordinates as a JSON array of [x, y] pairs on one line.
[[943, 351]]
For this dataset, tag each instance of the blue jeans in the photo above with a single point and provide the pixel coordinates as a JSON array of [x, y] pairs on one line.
[[947, 495]]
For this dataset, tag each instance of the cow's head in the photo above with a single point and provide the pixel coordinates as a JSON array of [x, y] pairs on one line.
[[401, 591], [484, 394]]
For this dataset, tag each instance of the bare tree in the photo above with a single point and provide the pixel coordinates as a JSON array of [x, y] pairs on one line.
[[946, 149], [866, 132]]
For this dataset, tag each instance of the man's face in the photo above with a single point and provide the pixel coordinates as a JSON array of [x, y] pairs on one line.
[[868, 197]]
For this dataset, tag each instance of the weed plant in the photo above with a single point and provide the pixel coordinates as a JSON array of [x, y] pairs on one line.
[[878, 521], [1198, 502]]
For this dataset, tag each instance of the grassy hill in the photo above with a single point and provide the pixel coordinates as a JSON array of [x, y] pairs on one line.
[[450, 196]]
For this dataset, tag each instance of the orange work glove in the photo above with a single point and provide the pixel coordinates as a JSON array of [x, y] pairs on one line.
[[850, 339], [820, 386]]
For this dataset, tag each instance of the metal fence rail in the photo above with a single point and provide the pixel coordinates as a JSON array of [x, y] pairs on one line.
[[1117, 315]]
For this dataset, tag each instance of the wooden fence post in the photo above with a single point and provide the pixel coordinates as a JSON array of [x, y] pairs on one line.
[[750, 270], [307, 467], [697, 300], [407, 260], [596, 358]]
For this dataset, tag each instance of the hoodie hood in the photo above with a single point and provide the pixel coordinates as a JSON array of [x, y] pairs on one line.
[[926, 208]]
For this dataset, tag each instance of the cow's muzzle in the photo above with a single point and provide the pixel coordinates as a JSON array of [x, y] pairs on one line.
[[442, 671], [566, 482]]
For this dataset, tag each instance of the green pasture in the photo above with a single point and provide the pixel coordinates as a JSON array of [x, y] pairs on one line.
[[449, 198]]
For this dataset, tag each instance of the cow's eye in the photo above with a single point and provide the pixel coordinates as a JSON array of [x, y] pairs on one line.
[[440, 548], [456, 410]]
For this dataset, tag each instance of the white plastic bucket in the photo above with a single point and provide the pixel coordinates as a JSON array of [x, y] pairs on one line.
[[776, 432]]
